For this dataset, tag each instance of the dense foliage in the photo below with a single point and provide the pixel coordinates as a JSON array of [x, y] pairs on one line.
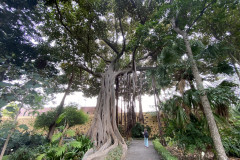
[[185, 45], [138, 129], [71, 149], [166, 155], [21, 139], [72, 116]]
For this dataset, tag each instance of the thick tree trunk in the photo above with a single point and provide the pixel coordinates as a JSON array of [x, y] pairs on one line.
[[117, 88], [104, 131], [134, 80], [141, 118], [59, 109], [205, 102], [121, 111]]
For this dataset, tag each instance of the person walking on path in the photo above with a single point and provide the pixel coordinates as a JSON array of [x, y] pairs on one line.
[[145, 138]]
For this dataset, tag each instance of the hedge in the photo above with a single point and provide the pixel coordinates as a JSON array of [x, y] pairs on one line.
[[166, 155]]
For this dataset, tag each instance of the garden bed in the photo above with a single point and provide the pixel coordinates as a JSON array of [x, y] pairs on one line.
[[192, 156]]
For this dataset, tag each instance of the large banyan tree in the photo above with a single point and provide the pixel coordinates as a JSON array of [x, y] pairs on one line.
[[104, 39]]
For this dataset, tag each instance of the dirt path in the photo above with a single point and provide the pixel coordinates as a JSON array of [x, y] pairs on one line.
[[137, 151]]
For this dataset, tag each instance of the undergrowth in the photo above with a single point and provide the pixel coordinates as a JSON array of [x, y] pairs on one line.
[[166, 155], [115, 154]]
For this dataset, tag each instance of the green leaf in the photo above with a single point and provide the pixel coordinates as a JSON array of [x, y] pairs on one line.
[[70, 132], [3, 103], [10, 109], [75, 144], [23, 126], [40, 157], [3, 84], [60, 150], [60, 118], [56, 136]]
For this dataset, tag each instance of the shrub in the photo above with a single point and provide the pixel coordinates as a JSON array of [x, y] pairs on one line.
[[73, 149], [45, 120], [19, 139], [86, 144], [23, 153], [192, 136], [72, 115], [231, 140], [138, 129], [163, 151]]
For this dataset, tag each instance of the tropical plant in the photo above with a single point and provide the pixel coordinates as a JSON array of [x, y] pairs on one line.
[[70, 149], [186, 123], [231, 134], [19, 139], [23, 153], [71, 115]]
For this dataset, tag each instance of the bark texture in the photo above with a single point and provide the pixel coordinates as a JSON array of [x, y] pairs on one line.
[[205, 102], [104, 131], [141, 118]]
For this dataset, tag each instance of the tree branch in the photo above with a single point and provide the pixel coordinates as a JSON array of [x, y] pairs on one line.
[[200, 15], [111, 46], [139, 14], [152, 53], [124, 43], [124, 40], [61, 18], [129, 70], [105, 60], [89, 70], [175, 28]]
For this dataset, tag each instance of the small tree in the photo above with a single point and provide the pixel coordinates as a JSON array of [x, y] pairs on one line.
[[72, 116]]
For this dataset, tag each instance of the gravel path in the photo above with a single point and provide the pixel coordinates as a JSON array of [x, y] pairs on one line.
[[137, 151]]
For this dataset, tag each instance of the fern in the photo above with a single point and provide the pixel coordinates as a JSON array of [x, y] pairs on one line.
[[75, 144], [56, 137], [40, 157], [70, 133], [60, 150]]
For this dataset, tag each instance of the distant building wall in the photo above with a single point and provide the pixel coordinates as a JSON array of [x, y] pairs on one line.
[[150, 119]]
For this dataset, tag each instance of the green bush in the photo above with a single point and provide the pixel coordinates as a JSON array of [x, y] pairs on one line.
[[19, 139], [72, 115], [45, 119], [23, 153], [138, 129], [86, 144], [71, 149], [190, 137], [163, 151], [231, 140]]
